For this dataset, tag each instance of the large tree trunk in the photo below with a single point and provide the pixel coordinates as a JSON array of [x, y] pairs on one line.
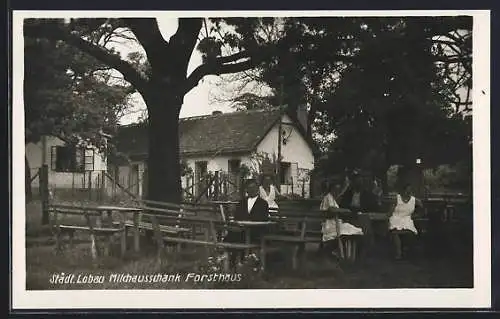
[[164, 178], [27, 174]]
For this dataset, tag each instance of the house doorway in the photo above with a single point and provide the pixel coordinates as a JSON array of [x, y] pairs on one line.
[[234, 177], [133, 183], [200, 171]]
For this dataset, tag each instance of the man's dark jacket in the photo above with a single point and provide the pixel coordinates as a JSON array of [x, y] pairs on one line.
[[259, 212]]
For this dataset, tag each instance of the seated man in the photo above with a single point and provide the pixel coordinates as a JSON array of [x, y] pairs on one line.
[[251, 208]]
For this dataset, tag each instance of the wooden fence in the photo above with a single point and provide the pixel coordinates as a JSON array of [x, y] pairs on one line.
[[103, 186]]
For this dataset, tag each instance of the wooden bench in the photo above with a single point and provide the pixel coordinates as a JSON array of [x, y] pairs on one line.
[[149, 227], [91, 227], [295, 228], [172, 227], [300, 227], [211, 224]]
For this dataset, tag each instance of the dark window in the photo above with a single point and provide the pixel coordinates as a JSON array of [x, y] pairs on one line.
[[72, 159], [285, 172], [234, 165], [201, 169]]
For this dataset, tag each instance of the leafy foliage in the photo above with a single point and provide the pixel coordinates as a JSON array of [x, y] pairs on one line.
[[250, 101], [385, 88], [69, 94]]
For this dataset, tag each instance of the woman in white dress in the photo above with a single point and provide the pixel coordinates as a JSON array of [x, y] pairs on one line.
[[401, 222], [269, 193], [329, 227]]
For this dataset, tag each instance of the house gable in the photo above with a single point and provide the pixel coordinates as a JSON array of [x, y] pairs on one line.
[[295, 149]]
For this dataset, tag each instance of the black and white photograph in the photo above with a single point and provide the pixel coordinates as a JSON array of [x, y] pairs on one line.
[[220, 159]]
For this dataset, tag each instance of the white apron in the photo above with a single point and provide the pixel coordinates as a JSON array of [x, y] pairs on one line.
[[329, 227], [401, 217]]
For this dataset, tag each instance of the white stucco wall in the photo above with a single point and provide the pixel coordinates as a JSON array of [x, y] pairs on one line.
[[296, 150], [34, 154]]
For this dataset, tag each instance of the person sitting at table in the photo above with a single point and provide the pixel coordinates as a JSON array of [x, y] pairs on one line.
[[329, 227], [401, 223], [269, 193], [251, 208], [377, 191], [359, 200]]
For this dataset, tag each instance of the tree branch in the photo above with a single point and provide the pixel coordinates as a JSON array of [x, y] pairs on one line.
[[216, 69], [233, 57], [182, 43], [114, 61], [224, 65], [149, 36]]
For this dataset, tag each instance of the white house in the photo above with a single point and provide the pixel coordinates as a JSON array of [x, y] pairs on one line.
[[68, 167], [224, 142]]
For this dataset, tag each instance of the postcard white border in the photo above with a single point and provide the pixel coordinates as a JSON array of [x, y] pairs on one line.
[[478, 297]]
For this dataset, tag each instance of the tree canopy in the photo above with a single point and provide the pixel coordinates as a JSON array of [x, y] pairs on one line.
[[386, 88], [69, 94], [361, 77]]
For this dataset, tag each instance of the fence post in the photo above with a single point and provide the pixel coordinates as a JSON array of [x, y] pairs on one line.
[[103, 185], [216, 185], [28, 181], [73, 184], [44, 192], [241, 187], [98, 187], [90, 185], [113, 184], [144, 183]]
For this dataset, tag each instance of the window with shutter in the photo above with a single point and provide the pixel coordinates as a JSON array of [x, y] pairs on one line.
[[71, 159], [89, 159], [79, 160], [53, 158]]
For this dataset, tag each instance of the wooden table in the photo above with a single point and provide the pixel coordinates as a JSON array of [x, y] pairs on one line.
[[333, 212], [248, 225], [222, 210], [367, 219], [108, 210], [377, 216], [224, 202], [221, 205]]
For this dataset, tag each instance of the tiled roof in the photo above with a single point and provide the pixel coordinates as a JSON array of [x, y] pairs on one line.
[[209, 134]]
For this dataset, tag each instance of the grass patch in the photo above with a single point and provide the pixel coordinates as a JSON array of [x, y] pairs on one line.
[[378, 270]]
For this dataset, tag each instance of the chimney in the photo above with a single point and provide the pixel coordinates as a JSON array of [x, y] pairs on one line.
[[302, 116], [216, 112]]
